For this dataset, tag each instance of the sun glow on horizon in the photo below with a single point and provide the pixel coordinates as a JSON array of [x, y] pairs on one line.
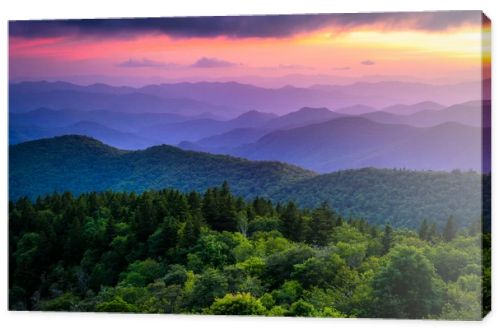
[[462, 44]]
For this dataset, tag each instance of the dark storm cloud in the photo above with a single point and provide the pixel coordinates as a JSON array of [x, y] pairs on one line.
[[241, 26]]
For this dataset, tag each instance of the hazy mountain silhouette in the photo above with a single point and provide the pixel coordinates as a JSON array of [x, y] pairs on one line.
[[302, 117], [282, 100], [193, 130], [468, 113], [405, 109], [355, 142], [355, 110], [129, 122], [206, 116], [25, 97], [227, 141], [231, 98], [446, 146], [122, 140]]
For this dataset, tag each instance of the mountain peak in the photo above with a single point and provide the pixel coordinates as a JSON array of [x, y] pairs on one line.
[[255, 113], [82, 164], [406, 109], [355, 109], [313, 110], [429, 105], [253, 118], [303, 116], [68, 139], [68, 143]]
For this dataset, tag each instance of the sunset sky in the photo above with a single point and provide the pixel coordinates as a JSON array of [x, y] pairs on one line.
[[427, 46]]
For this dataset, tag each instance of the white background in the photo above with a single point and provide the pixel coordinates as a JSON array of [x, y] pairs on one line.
[[23, 322]]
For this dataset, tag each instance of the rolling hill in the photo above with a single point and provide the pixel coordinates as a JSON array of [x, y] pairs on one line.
[[193, 130], [122, 121], [446, 146], [468, 113], [82, 164], [399, 197], [406, 109], [227, 141], [249, 132], [302, 117], [119, 139], [355, 142]]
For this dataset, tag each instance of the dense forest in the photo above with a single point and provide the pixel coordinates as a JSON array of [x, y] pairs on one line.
[[398, 197], [166, 251]]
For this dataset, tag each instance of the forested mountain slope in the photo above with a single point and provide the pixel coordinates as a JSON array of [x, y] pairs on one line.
[[82, 164], [399, 197], [395, 196]]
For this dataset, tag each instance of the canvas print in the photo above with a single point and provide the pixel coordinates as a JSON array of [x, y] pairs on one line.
[[326, 165]]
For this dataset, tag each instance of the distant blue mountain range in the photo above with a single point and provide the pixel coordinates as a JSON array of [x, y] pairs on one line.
[[206, 117]]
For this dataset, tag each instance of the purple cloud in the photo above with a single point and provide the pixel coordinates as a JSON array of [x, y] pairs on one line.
[[367, 62], [294, 67], [205, 62], [144, 62], [344, 68]]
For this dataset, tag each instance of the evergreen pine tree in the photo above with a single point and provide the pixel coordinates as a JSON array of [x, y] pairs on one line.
[[292, 223], [433, 232], [322, 223], [450, 229], [191, 231], [387, 239], [423, 231]]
